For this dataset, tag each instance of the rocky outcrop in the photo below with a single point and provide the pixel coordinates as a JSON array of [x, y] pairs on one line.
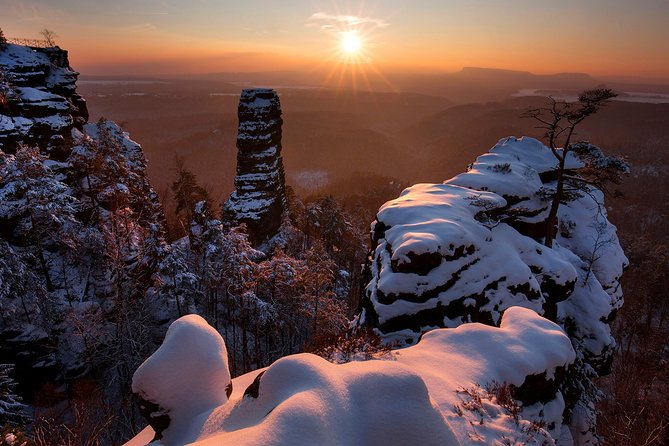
[[38, 100], [259, 198], [69, 191], [468, 249], [186, 376]]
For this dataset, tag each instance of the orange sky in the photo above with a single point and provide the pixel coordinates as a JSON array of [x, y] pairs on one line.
[[600, 37]]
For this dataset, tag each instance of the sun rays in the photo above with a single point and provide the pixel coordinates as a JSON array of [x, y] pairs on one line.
[[351, 43], [351, 57]]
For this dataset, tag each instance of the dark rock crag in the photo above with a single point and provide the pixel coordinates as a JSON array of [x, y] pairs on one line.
[[39, 104], [259, 198]]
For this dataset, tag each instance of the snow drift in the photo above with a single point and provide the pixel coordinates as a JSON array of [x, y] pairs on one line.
[[187, 374], [414, 398]]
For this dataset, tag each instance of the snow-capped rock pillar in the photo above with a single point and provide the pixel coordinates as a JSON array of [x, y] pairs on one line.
[[259, 198]]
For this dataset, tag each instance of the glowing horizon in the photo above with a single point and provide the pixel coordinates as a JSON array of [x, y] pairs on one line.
[[601, 38]]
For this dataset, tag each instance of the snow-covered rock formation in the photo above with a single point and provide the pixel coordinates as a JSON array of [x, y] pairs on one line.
[[39, 104], [259, 198], [428, 394], [80, 229], [468, 249]]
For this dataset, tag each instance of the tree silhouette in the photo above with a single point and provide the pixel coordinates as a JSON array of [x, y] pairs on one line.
[[49, 37], [559, 120], [187, 192]]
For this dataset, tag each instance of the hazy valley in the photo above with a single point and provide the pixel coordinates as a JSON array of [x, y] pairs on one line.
[[331, 137]]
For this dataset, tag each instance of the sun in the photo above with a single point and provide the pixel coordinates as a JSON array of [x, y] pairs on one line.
[[351, 43]]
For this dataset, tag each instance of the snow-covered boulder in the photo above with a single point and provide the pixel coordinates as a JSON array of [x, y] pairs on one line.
[[427, 394], [185, 377]]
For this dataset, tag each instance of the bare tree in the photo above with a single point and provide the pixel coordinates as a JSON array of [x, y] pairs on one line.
[[559, 120], [49, 37]]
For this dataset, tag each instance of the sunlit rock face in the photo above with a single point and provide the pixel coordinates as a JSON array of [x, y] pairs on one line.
[[259, 198], [39, 104]]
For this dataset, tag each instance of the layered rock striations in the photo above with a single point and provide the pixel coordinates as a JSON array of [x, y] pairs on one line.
[[468, 249], [39, 104], [259, 198]]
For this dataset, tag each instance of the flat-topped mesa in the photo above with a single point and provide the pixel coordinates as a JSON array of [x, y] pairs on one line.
[[259, 198], [39, 104]]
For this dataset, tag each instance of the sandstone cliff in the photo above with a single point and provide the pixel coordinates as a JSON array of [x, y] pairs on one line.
[[80, 224]]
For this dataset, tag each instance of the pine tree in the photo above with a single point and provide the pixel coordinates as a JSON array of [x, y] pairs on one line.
[[559, 120], [39, 204], [18, 289], [326, 220], [187, 192], [12, 410]]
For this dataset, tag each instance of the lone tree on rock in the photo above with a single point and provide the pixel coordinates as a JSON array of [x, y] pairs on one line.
[[559, 119], [49, 37], [3, 39]]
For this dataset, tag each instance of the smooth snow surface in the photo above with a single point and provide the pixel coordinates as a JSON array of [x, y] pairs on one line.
[[409, 399], [187, 375]]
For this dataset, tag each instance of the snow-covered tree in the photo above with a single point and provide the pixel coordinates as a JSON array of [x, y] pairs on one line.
[[179, 282], [109, 170], [279, 284], [39, 205], [325, 218], [12, 410], [18, 289]]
